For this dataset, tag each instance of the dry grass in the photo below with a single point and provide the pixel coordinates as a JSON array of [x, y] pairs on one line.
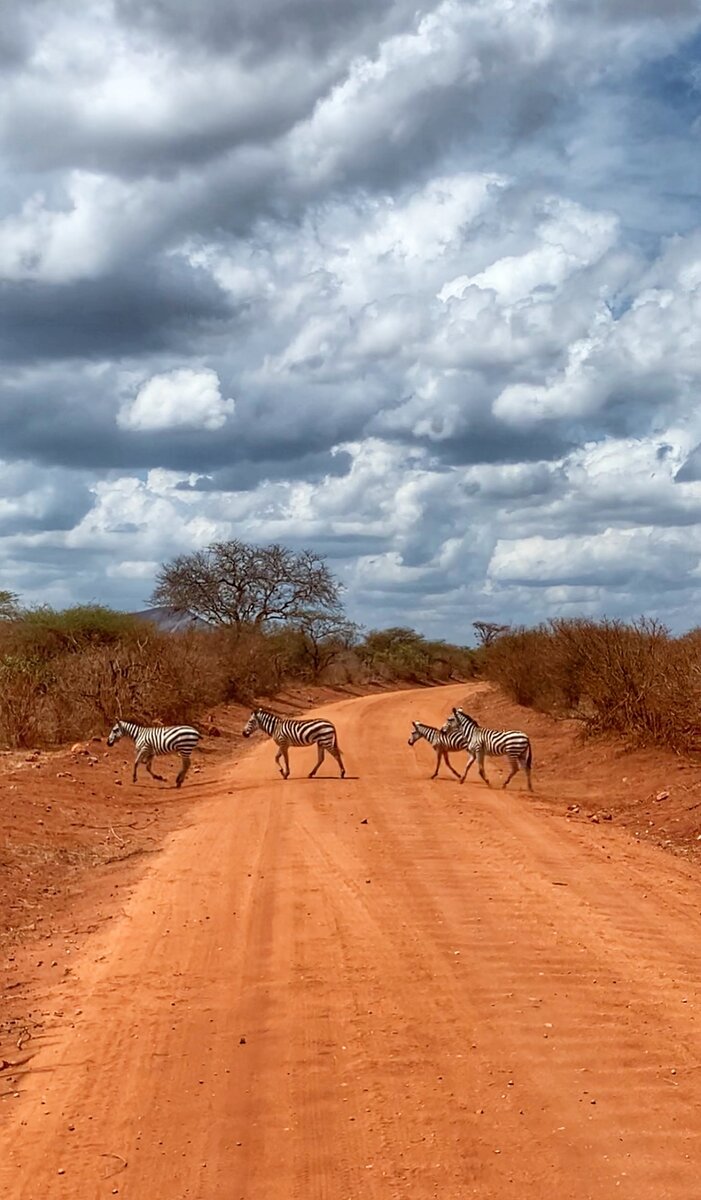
[[632, 680]]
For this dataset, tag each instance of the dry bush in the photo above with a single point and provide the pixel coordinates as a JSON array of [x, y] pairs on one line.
[[66, 676], [634, 680], [157, 678], [23, 691], [257, 664], [63, 680]]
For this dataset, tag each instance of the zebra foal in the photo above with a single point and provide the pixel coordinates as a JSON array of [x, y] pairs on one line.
[[154, 740], [287, 732], [443, 741], [510, 743]]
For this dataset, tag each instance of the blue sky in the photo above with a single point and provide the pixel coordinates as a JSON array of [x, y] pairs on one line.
[[416, 287]]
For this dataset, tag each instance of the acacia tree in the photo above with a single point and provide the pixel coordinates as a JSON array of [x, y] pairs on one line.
[[488, 631], [235, 583]]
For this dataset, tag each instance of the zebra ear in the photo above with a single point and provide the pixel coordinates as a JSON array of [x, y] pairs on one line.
[[414, 723]]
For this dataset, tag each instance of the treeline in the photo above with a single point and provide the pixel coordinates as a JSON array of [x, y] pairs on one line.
[[65, 675], [633, 680]]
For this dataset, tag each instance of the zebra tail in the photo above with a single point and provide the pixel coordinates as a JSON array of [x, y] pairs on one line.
[[529, 756]]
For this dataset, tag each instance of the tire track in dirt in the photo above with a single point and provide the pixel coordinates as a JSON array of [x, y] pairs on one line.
[[468, 995]]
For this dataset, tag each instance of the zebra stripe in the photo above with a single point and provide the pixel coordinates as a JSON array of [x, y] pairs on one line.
[[510, 743], [287, 732], [153, 740], [443, 741]]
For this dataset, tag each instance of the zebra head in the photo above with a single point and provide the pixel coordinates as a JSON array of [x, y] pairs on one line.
[[115, 733], [452, 725], [251, 724], [463, 719], [415, 734]]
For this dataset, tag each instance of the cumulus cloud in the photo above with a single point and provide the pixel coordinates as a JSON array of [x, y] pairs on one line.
[[180, 399], [445, 257]]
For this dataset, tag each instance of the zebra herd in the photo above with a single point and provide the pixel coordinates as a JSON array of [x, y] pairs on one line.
[[461, 732]]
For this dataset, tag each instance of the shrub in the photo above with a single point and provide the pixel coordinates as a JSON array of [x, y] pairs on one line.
[[634, 680], [400, 653], [67, 675]]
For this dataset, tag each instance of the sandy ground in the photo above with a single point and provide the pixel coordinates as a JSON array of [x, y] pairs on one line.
[[380, 987]]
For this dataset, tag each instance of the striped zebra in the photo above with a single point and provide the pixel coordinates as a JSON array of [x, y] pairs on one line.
[[286, 732], [511, 743], [443, 741], [156, 740]]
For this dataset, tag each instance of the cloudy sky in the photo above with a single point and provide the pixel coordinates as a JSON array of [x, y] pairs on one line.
[[416, 285]]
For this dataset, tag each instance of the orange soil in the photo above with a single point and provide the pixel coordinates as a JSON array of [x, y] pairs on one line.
[[379, 987]]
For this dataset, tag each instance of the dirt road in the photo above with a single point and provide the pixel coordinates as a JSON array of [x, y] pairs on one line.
[[373, 989]]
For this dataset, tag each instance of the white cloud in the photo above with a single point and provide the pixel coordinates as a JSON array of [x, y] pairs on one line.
[[180, 399], [624, 558]]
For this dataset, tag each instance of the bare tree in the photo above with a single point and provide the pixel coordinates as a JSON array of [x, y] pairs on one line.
[[488, 631], [234, 583], [325, 636]]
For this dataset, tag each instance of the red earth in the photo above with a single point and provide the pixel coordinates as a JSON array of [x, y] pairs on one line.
[[379, 987]]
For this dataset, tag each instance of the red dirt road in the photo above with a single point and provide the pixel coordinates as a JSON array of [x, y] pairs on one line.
[[467, 995]]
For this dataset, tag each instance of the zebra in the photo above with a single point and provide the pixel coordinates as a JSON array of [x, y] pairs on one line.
[[155, 740], [443, 741], [516, 746], [287, 732]]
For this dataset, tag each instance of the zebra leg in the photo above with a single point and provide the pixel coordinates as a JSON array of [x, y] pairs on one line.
[[470, 761], [439, 755], [480, 765], [513, 763], [141, 757], [148, 763], [527, 768], [319, 760], [281, 755], [334, 750], [183, 770], [449, 765]]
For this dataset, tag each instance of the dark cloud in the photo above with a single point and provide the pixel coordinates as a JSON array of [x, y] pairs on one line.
[[635, 12], [225, 26], [159, 306], [248, 474]]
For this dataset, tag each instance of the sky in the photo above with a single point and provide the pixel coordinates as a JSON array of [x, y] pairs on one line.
[[414, 285]]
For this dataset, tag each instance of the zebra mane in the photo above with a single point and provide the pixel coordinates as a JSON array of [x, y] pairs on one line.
[[460, 712]]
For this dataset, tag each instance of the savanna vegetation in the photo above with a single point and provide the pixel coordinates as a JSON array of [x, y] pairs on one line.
[[632, 680], [273, 617]]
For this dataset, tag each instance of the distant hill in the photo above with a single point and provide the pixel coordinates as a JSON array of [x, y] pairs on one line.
[[171, 620]]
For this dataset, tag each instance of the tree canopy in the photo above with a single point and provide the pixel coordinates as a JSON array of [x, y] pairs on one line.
[[488, 631], [235, 583]]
